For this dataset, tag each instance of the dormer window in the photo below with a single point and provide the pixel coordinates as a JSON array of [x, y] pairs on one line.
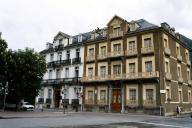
[[60, 41], [80, 38]]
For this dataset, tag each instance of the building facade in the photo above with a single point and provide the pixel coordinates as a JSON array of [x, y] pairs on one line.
[[136, 67], [61, 83]]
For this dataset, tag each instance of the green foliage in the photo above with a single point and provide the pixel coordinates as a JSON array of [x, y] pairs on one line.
[[25, 72]]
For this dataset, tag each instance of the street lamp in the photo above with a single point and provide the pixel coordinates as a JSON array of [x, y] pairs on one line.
[[5, 89], [77, 91], [64, 96]]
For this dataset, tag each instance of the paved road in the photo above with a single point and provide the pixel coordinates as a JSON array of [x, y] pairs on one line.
[[90, 120]]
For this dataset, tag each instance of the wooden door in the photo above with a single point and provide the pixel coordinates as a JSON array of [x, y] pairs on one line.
[[116, 100], [57, 98]]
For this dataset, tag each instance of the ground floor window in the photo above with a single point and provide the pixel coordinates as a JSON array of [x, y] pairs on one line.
[[149, 95], [103, 96], [90, 96], [132, 95]]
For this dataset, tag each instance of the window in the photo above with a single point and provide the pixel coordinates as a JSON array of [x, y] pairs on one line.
[[189, 96], [147, 43], [90, 96], [149, 95], [187, 56], [180, 96], [166, 43], [90, 72], [77, 53], [148, 66], [103, 95], [116, 30], [59, 56], [168, 95], [76, 71], [103, 50], [91, 52], [80, 38], [103, 71], [132, 94], [60, 41], [49, 93], [68, 54], [188, 74], [66, 72], [167, 67], [132, 45], [58, 73], [178, 50], [117, 47], [179, 71], [41, 95], [51, 57], [50, 74], [117, 69], [131, 67]]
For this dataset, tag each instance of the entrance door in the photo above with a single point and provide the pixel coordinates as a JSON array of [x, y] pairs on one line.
[[116, 100], [57, 98]]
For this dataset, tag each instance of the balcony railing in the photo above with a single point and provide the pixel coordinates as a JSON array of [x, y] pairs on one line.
[[90, 58], [116, 54], [76, 60], [149, 103], [168, 76], [101, 56], [59, 47], [128, 76], [73, 80], [167, 51], [147, 50], [57, 63], [40, 100], [132, 103], [180, 79], [131, 52], [116, 34]]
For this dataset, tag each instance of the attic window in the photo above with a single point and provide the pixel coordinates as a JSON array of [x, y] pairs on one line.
[[60, 41], [80, 38]]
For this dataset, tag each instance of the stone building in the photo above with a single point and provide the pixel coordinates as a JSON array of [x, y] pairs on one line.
[[136, 66]]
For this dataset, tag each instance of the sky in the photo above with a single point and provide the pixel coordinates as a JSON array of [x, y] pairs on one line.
[[32, 23]]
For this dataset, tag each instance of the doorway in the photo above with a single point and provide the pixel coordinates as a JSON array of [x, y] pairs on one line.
[[57, 98], [116, 100]]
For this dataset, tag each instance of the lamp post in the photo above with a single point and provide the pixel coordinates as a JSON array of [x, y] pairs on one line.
[[5, 95], [77, 91], [64, 96]]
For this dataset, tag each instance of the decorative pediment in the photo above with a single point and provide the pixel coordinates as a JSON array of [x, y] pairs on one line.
[[116, 20], [61, 35]]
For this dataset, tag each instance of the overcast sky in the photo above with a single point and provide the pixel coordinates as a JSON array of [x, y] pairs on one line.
[[32, 23]]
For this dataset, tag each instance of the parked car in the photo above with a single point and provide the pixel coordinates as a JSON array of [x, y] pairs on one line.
[[26, 106]]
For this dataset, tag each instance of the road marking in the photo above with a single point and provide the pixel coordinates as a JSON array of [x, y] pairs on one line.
[[166, 125]]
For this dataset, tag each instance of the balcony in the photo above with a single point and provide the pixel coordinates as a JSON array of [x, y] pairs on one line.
[[168, 76], [116, 54], [188, 62], [167, 51], [102, 56], [141, 75], [76, 60], [90, 58], [89, 79], [149, 103], [189, 82], [66, 62], [147, 50], [58, 63], [103, 77], [116, 77], [132, 103], [73, 80], [59, 47], [131, 52], [50, 64], [116, 34], [180, 79], [179, 58]]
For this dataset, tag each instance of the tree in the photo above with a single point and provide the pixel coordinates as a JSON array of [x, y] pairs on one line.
[[25, 73]]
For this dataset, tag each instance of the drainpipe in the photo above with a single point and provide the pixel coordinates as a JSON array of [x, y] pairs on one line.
[[122, 98], [109, 97]]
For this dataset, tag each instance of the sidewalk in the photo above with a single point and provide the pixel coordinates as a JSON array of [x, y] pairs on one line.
[[32, 114]]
